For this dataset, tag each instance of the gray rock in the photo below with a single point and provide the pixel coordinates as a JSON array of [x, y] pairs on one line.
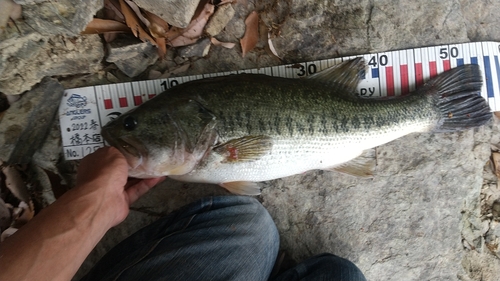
[[175, 12], [28, 2], [335, 31], [434, 23], [131, 56], [63, 17], [27, 122], [199, 49], [25, 61], [219, 19]]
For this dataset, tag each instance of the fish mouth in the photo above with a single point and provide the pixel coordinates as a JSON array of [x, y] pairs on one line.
[[128, 146]]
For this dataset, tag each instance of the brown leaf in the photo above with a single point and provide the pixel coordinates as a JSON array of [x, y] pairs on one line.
[[98, 26], [113, 11], [8, 232], [193, 32], [133, 22], [109, 36], [137, 12], [497, 114], [162, 46], [251, 37], [158, 27], [496, 163], [173, 33], [23, 213], [228, 45]]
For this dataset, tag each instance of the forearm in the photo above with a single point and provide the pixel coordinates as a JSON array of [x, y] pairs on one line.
[[56, 242]]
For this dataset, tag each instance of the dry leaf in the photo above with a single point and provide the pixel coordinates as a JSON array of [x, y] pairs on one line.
[[8, 232], [271, 46], [496, 163], [251, 37], [15, 183], [23, 213], [112, 10], [132, 21], [137, 11], [98, 26], [158, 27], [497, 114], [192, 33], [110, 36], [227, 45], [173, 33], [162, 47]]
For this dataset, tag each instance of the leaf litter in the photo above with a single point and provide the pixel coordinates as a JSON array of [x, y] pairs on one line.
[[126, 16]]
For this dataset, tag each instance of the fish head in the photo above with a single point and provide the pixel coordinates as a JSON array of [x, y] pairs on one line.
[[160, 140]]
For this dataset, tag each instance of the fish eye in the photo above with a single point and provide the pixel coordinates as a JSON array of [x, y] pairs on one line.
[[129, 123]]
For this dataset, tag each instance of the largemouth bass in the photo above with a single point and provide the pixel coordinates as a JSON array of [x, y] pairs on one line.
[[241, 129]]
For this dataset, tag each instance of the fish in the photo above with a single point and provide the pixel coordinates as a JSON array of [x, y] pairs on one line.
[[238, 130]]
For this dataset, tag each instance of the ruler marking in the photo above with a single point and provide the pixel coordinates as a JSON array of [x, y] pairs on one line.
[[390, 74], [405, 86], [489, 78], [419, 69]]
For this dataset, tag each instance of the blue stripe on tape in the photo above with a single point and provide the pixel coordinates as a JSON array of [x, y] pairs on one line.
[[487, 72]]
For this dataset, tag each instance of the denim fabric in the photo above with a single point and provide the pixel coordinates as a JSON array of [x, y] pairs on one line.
[[325, 267], [216, 238]]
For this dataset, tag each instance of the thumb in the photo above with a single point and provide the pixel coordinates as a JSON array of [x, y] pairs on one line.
[[140, 188]]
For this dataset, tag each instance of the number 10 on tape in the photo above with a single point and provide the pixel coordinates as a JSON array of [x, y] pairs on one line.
[[83, 111]]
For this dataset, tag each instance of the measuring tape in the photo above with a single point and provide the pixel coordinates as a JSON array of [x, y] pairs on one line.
[[83, 111]]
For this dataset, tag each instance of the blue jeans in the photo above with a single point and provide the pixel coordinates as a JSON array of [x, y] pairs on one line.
[[216, 238]]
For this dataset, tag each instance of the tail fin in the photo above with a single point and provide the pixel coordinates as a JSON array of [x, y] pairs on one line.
[[458, 98]]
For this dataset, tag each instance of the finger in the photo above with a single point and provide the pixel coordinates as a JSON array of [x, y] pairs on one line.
[[135, 191]]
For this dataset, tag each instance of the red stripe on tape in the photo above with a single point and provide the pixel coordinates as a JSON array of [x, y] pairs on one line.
[[108, 104], [433, 69], [137, 100], [446, 65], [389, 77], [123, 102], [419, 74], [405, 87]]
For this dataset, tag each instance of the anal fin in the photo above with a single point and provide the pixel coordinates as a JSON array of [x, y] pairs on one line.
[[242, 187], [361, 166]]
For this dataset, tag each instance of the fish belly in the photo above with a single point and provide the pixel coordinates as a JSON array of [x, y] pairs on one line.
[[291, 156]]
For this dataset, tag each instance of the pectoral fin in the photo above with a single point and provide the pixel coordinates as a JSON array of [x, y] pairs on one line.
[[361, 166], [247, 148], [242, 187]]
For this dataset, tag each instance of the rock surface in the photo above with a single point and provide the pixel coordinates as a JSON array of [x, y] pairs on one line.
[[131, 59], [27, 122], [429, 213], [25, 61], [176, 12]]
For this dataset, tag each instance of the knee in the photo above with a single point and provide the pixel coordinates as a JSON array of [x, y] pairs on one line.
[[335, 266]]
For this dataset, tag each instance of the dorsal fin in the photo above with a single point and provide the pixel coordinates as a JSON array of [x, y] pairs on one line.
[[344, 76]]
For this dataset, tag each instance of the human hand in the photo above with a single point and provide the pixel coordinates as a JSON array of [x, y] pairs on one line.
[[102, 178]]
